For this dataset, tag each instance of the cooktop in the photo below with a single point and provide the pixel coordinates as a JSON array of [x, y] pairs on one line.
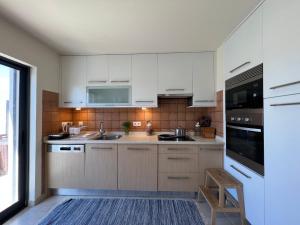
[[171, 137]]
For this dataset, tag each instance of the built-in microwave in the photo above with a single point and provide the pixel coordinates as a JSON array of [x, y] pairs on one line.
[[106, 96]]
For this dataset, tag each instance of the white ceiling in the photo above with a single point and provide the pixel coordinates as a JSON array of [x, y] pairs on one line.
[[128, 26]]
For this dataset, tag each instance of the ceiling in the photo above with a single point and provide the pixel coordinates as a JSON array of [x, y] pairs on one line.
[[128, 26]]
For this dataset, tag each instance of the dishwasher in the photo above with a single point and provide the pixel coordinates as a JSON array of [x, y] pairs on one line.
[[65, 166]]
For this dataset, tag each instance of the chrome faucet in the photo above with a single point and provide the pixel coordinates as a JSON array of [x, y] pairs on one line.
[[101, 130]]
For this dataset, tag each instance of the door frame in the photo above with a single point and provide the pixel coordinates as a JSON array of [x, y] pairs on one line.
[[23, 140]]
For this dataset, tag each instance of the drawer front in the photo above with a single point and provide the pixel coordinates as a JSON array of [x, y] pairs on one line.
[[253, 185], [187, 182], [178, 149], [101, 147], [178, 163]]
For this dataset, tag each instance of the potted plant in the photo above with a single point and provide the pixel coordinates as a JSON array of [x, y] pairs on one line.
[[126, 126]]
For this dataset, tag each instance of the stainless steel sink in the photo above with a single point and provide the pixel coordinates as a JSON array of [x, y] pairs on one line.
[[108, 137]]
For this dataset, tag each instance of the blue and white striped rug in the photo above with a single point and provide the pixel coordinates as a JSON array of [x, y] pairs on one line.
[[125, 211]]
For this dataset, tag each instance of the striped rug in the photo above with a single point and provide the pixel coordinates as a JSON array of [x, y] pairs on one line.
[[124, 211]]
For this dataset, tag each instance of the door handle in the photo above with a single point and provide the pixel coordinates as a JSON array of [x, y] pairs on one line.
[[286, 104]]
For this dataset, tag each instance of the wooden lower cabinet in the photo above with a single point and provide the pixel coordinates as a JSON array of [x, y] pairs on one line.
[[137, 167], [65, 169], [101, 167]]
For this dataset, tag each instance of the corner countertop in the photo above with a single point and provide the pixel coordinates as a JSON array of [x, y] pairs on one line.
[[132, 138]]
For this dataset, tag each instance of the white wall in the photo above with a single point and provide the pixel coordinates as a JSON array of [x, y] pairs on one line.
[[16, 43], [220, 84]]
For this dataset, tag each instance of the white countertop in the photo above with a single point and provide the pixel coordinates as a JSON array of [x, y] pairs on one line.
[[132, 138]]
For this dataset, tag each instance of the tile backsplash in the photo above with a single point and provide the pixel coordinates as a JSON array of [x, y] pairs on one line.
[[170, 114]]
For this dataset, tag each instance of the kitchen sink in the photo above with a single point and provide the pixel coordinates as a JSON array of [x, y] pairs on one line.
[[108, 137]]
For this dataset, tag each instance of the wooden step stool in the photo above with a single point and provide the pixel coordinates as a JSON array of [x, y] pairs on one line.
[[223, 180]]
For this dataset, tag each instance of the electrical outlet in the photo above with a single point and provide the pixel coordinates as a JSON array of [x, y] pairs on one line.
[[137, 123], [66, 123]]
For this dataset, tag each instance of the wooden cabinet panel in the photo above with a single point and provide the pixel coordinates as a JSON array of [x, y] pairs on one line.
[[187, 182], [101, 168], [137, 167], [178, 163], [65, 170], [178, 148]]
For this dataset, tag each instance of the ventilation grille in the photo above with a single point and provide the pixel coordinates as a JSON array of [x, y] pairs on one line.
[[245, 77]]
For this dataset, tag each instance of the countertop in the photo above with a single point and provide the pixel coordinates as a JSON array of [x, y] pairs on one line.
[[132, 138]]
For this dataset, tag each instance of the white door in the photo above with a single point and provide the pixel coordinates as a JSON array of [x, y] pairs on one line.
[[243, 50], [73, 89], [144, 80], [119, 69], [97, 70], [281, 47], [175, 73], [282, 157], [203, 80]]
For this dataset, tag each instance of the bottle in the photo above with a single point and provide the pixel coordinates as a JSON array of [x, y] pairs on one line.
[[149, 129]]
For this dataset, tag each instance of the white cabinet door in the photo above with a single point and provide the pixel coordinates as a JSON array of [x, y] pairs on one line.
[[203, 80], [282, 157], [243, 50], [281, 46], [73, 89], [96, 70], [254, 192], [144, 80], [119, 69], [175, 73]]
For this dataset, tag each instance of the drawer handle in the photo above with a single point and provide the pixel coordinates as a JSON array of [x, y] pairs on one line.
[[138, 149], [285, 85], [101, 148], [67, 102], [175, 89], [204, 100], [241, 172], [120, 81], [178, 158], [97, 81], [178, 149], [178, 178], [240, 66], [211, 149], [286, 104], [146, 101]]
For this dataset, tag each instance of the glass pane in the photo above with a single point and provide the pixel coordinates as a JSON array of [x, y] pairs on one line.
[[9, 79], [109, 95]]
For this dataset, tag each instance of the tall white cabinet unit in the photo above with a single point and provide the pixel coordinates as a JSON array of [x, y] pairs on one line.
[[73, 74]]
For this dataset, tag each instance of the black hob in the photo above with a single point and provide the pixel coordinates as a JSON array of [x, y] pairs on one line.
[[170, 137]]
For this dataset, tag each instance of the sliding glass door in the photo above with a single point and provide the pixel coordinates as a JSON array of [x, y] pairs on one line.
[[14, 86]]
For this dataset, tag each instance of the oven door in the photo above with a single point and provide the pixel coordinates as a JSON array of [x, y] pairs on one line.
[[245, 145]]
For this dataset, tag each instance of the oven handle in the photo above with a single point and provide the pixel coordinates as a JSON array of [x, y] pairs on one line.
[[257, 130]]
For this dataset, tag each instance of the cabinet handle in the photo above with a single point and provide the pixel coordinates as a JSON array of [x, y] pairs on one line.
[[178, 149], [211, 149], [101, 148], [241, 172], [146, 101], [285, 85], [240, 66], [119, 81], [175, 89], [286, 104], [204, 100], [67, 102], [137, 149], [97, 81], [178, 178], [178, 158]]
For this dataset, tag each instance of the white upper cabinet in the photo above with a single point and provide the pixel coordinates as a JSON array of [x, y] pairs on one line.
[[144, 80], [97, 70], [73, 88], [119, 69], [243, 50], [175, 73], [203, 80], [281, 46]]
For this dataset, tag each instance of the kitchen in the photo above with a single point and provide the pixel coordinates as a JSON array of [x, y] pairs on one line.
[[118, 125]]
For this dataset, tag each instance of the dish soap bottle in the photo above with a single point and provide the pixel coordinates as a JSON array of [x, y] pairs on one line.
[[149, 129]]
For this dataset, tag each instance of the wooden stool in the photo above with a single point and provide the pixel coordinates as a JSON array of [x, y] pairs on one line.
[[223, 180]]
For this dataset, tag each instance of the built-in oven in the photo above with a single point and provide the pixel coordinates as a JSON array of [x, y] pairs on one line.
[[244, 119]]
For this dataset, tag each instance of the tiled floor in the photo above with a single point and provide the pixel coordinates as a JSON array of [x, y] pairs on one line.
[[32, 215]]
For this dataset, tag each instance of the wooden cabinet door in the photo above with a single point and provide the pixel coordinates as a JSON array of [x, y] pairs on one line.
[[281, 46], [97, 70], [119, 69], [144, 80], [137, 167], [243, 50], [175, 73], [73, 89], [101, 166], [204, 92], [65, 170]]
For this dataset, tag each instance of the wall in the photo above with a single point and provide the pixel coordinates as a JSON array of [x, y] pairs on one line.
[[44, 62]]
